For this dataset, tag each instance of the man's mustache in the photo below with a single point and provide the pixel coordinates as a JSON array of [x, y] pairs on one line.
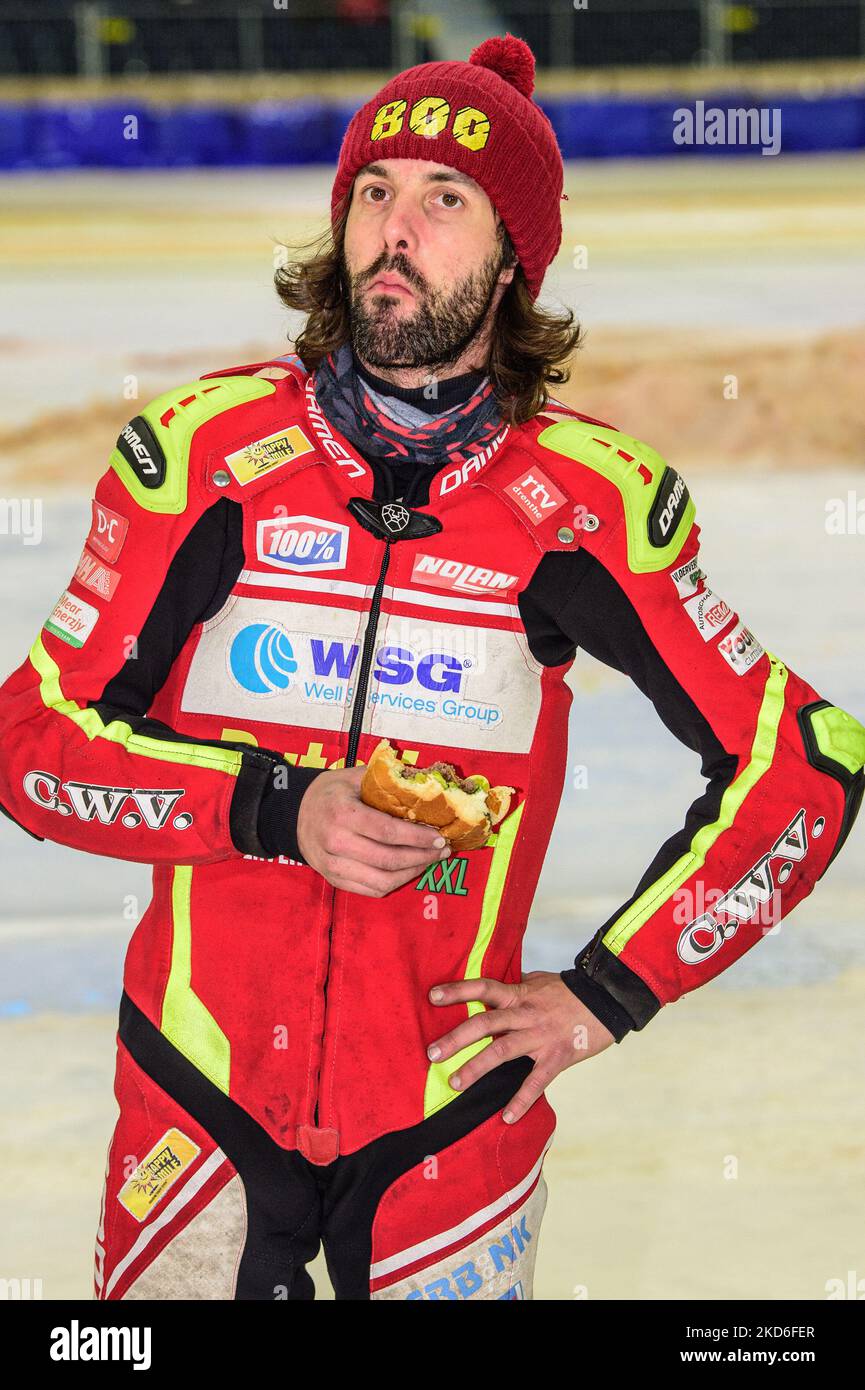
[[408, 275]]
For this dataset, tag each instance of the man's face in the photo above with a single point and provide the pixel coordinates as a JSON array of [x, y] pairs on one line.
[[432, 233]]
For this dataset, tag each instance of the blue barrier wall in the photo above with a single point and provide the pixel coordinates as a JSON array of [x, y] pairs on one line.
[[123, 134]]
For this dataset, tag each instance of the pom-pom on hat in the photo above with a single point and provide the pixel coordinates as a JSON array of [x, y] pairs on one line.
[[478, 117]]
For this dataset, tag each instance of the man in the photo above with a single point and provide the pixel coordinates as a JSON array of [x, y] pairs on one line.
[[325, 1034]]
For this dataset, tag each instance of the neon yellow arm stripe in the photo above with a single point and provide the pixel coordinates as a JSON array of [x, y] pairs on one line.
[[226, 760], [438, 1093], [762, 754], [186, 1023]]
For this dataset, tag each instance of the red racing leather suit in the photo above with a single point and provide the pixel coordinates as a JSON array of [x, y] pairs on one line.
[[141, 730]]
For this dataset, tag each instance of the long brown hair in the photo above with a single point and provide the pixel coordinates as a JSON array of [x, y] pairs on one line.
[[530, 346]]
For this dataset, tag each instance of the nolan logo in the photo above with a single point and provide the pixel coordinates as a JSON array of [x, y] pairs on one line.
[[435, 570]]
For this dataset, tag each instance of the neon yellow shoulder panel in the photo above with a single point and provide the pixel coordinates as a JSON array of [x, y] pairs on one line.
[[624, 461], [174, 417]]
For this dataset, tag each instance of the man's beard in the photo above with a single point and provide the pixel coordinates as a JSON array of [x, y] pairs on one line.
[[443, 324]]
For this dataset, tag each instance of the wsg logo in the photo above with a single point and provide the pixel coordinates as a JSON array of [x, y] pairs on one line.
[[262, 660]]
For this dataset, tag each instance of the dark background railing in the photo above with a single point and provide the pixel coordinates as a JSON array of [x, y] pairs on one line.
[[136, 37]]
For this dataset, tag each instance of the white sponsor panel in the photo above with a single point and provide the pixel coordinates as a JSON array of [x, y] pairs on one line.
[[295, 664], [499, 1264], [740, 649], [709, 614]]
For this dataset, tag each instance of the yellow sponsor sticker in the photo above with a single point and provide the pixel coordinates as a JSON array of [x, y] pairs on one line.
[[156, 1173], [262, 455]]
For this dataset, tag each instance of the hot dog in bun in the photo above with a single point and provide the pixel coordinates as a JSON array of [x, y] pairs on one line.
[[464, 809]]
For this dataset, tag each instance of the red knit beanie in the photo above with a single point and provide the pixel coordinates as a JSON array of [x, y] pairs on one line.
[[478, 117]]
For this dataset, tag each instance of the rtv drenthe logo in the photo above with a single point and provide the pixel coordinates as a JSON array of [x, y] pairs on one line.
[[261, 659]]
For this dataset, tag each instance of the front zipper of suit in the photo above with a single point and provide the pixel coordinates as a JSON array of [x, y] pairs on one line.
[[354, 733], [366, 661]]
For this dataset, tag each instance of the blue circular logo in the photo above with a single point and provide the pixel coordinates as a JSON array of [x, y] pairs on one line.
[[261, 659]]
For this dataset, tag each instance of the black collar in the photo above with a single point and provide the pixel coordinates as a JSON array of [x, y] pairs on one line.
[[453, 391]]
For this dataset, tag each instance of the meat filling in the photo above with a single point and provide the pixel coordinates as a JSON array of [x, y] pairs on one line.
[[448, 772]]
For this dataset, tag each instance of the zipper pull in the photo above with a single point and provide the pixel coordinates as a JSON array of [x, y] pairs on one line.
[[392, 521]]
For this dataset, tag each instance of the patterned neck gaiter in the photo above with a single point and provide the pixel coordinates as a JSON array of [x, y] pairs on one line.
[[402, 433]]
